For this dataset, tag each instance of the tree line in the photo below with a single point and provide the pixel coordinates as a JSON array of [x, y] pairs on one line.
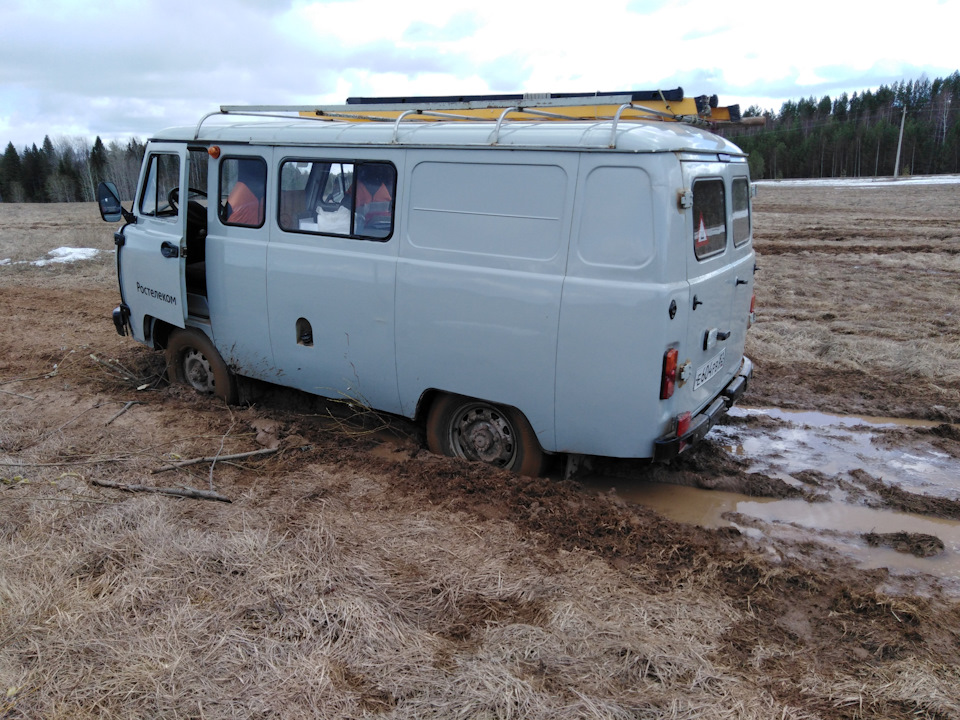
[[68, 170], [858, 135]]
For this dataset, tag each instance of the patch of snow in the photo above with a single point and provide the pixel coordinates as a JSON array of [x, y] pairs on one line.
[[67, 254], [875, 182]]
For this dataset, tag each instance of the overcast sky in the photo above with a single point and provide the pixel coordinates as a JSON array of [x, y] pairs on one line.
[[118, 68]]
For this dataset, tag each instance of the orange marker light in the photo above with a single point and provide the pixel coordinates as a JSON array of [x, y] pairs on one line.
[[668, 380], [214, 151]]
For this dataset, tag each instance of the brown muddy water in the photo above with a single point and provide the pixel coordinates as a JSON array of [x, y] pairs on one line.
[[838, 451]]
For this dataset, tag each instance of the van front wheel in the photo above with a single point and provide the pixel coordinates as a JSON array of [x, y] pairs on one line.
[[192, 360], [459, 426]]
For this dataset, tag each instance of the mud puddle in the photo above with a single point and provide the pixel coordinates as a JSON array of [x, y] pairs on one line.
[[834, 444], [881, 491]]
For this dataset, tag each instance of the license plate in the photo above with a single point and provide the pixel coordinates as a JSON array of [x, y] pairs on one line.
[[711, 368]]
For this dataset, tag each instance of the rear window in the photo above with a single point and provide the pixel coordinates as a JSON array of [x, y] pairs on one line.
[[709, 218], [741, 211]]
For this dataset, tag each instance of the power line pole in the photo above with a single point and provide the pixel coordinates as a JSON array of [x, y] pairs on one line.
[[903, 119]]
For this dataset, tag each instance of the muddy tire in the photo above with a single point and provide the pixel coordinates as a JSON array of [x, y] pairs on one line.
[[459, 426], [192, 360]]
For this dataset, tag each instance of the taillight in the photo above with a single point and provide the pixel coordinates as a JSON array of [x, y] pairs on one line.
[[668, 380], [753, 310]]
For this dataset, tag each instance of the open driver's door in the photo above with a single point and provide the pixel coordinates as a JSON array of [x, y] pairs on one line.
[[151, 261]]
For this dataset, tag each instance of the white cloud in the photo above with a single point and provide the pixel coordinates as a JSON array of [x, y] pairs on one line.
[[117, 69]]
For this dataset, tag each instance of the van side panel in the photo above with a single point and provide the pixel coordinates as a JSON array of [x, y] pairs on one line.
[[615, 325], [480, 276]]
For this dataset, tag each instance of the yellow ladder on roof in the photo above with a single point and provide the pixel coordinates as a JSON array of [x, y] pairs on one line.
[[660, 105], [666, 105]]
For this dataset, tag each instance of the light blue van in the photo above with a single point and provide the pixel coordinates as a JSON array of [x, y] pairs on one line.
[[523, 289]]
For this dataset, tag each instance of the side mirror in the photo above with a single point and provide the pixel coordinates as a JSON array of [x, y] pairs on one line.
[[108, 197]]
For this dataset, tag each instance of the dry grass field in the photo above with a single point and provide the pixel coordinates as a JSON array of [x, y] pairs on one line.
[[859, 291], [353, 574]]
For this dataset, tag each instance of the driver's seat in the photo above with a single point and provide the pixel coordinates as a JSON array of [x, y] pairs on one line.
[[196, 232], [196, 268]]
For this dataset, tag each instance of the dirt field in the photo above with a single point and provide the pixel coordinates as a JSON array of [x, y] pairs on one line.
[[354, 574]]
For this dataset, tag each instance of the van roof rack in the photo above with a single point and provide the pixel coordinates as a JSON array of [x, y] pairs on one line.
[[668, 105]]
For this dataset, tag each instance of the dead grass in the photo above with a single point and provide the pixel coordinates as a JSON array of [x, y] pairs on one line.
[[136, 612], [29, 231], [863, 288], [153, 608], [345, 583]]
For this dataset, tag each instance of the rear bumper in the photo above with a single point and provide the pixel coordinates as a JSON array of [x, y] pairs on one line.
[[669, 446]]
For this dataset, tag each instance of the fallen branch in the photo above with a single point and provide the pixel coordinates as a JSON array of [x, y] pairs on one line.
[[116, 369], [52, 373], [55, 499], [187, 492], [220, 449], [125, 408], [27, 397], [220, 458], [48, 434]]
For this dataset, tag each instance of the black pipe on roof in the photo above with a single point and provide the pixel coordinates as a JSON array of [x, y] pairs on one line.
[[636, 95]]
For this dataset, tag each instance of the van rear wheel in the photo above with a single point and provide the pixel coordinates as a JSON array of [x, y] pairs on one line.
[[192, 360], [463, 427]]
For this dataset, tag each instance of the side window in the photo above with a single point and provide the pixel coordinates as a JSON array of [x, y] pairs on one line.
[[338, 198], [163, 177], [741, 211], [709, 218], [243, 190]]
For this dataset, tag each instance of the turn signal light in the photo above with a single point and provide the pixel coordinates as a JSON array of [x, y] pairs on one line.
[[668, 380]]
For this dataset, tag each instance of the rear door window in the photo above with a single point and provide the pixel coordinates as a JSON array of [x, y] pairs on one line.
[[709, 218], [741, 211]]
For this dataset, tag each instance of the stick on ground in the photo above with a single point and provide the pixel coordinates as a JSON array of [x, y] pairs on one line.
[[125, 408], [220, 458], [187, 492]]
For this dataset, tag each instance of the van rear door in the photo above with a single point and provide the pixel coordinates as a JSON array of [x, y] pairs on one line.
[[719, 259], [152, 257]]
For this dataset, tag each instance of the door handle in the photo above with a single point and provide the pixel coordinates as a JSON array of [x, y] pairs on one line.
[[169, 250], [713, 336]]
